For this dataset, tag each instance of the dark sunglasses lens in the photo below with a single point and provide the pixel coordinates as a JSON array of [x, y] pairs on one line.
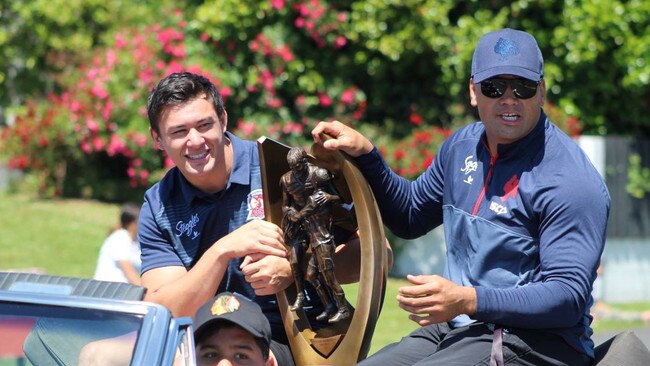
[[493, 88], [523, 88]]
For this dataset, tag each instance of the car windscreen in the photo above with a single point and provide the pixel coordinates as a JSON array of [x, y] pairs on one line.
[[41, 334]]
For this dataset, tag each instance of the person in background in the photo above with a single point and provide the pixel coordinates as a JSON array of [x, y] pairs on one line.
[[119, 257], [525, 219]]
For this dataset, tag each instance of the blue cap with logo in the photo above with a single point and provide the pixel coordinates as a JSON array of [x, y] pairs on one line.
[[507, 52]]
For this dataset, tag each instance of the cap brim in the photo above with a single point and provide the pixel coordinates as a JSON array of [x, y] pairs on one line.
[[506, 70]]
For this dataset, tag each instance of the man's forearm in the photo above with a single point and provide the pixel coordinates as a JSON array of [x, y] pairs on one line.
[[183, 292]]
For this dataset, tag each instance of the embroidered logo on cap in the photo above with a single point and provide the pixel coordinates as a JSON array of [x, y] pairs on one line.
[[225, 304], [506, 48]]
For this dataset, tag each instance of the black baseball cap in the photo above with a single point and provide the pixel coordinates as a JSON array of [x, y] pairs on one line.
[[234, 308]]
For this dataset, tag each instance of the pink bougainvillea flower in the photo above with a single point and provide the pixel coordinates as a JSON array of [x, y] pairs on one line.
[[300, 100], [277, 4], [427, 161], [85, 147], [340, 42], [324, 100], [168, 162], [91, 125], [399, 154], [107, 110], [347, 97], [302, 9], [422, 137], [120, 41], [111, 58], [19, 162], [139, 139], [75, 106], [247, 128], [98, 143], [291, 127], [174, 67], [226, 91], [115, 146], [146, 76], [99, 91], [286, 54], [274, 103], [416, 119], [175, 50], [168, 35]]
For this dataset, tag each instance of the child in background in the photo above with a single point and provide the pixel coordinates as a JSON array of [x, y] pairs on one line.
[[119, 257]]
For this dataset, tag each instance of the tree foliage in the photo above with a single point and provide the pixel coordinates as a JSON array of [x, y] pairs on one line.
[[42, 38], [398, 70]]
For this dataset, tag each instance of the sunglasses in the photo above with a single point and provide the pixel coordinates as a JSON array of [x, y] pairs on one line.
[[521, 88]]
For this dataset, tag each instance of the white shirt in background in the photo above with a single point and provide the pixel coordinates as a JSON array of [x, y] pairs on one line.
[[117, 247]]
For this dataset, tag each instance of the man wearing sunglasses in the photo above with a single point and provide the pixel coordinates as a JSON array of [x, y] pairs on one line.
[[525, 217]]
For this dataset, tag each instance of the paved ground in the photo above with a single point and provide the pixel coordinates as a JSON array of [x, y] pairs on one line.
[[642, 333]]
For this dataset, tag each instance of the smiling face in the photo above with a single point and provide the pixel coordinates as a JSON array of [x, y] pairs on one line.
[[230, 345], [193, 137], [507, 118]]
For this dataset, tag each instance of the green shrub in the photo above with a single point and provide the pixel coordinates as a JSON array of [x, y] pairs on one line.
[[396, 70]]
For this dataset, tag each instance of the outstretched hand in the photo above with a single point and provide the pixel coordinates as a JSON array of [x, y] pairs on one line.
[[434, 299], [345, 138]]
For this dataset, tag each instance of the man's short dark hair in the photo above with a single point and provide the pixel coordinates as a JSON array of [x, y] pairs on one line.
[[178, 89], [129, 214]]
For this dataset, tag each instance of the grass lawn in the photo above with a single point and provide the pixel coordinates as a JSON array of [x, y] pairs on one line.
[[63, 237]]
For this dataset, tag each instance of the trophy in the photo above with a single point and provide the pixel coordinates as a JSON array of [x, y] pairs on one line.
[[310, 196]]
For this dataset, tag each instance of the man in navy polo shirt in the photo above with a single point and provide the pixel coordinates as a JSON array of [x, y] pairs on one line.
[[199, 227]]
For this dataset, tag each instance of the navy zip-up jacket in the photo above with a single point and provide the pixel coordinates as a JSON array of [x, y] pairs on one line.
[[525, 227]]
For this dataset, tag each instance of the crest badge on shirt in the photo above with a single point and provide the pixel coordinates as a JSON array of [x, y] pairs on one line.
[[470, 167], [255, 205]]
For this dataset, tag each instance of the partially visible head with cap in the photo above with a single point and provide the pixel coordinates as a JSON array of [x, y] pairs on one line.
[[507, 52], [228, 309]]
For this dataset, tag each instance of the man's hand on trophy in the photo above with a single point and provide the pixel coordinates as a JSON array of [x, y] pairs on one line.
[[344, 138], [267, 274]]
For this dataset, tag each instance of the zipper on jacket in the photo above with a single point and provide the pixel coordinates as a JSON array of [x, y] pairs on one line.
[[493, 160]]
